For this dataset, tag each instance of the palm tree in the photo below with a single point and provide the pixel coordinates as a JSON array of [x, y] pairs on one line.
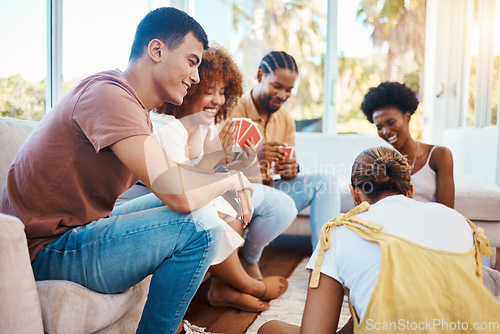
[[400, 23], [294, 26]]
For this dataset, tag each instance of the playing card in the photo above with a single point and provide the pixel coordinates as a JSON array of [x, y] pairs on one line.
[[237, 124], [245, 124], [288, 150], [241, 125], [251, 133]]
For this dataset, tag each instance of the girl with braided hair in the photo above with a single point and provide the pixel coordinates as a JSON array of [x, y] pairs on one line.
[[396, 258]]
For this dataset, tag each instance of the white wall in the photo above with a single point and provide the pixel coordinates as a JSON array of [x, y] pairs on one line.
[[333, 154], [474, 150]]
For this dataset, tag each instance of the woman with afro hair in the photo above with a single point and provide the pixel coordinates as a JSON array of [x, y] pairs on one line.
[[390, 106]]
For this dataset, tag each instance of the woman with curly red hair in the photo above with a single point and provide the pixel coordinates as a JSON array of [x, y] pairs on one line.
[[197, 133]]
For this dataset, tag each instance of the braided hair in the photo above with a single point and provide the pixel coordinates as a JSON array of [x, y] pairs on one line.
[[381, 170], [277, 60]]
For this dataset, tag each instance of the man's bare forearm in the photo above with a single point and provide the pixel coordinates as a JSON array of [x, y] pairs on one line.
[[189, 188]]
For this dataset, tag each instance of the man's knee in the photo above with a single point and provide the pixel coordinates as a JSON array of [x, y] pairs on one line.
[[286, 207], [324, 183]]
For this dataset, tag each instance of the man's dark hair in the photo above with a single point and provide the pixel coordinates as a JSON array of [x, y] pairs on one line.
[[389, 94], [169, 25], [277, 59]]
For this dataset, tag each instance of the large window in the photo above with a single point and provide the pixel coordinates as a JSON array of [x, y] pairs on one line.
[[297, 27], [485, 60], [369, 49], [22, 59], [378, 41], [97, 36], [374, 41]]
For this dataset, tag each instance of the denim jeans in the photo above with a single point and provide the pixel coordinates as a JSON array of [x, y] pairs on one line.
[[320, 191], [273, 212], [139, 238]]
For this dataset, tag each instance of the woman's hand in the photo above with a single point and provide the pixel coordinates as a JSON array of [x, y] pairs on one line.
[[218, 149], [246, 157], [227, 135], [223, 140]]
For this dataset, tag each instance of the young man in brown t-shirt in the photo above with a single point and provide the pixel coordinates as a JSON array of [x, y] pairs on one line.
[[96, 143]]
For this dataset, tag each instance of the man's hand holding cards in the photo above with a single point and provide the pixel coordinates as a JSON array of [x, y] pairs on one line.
[[287, 166]]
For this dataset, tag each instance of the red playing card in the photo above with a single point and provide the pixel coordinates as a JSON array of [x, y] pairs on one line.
[[237, 124], [288, 150], [252, 133], [245, 124]]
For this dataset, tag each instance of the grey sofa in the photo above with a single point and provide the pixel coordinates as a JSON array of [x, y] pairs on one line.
[[51, 306]]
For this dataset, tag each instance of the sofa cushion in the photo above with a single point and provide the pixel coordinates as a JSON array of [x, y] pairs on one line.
[[491, 279], [477, 198], [13, 132], [19, 307], [68, 307], [492, 230]]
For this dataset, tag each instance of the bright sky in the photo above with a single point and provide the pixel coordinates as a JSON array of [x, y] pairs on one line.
[[353, 39]]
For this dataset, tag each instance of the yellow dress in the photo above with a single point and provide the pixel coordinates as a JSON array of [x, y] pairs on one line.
[[419, 289]]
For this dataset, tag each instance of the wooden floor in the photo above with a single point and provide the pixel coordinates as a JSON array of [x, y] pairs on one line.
[[279, 258]]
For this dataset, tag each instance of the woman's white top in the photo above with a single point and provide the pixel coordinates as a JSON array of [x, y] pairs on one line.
[[355, 262], [425, 182], [173, 137]]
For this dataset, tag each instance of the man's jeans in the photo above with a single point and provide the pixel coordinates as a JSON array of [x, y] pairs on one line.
[[139, 238], [320, 191]]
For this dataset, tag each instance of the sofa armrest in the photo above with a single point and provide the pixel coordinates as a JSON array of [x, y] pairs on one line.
[[20, 310]]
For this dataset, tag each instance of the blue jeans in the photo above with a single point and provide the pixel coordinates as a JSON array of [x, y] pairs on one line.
[[273, 212], [320, 191], [139, 238]]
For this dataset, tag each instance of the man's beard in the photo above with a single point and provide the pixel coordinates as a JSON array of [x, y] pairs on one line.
[[265, 104]]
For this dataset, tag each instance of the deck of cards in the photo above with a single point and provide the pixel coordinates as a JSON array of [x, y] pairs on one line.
[[246, 129]]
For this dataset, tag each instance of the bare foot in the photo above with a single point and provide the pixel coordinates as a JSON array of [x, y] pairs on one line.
[[221, 292], [252, 269]]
